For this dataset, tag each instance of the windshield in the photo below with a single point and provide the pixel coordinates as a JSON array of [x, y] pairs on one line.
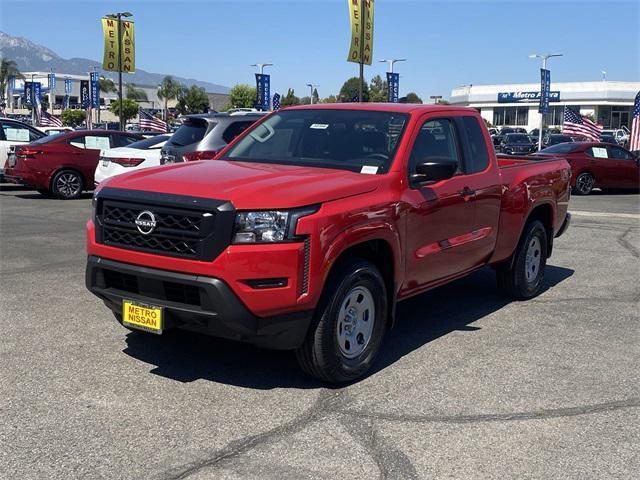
[[517, 138], [561, 148], [357, 140], [191, 131], [48, 138], [147, 143]]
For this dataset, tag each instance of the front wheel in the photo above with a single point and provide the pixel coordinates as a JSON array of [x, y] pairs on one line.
[[523, 276], [349, 324], [67, 185], [584, 184]]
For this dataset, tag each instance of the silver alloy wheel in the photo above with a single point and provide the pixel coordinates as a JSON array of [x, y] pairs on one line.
[[68, 184], [533, 259], [356, 319], [584, 183]]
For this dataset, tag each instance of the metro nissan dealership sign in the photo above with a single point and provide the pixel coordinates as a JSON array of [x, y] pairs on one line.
[[525, 97]]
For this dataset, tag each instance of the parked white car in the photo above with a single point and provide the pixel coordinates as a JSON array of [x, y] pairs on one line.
[[141, 154], [12, 133]]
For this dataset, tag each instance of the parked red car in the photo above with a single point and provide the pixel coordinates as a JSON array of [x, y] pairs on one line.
[[63, 164], [597, 164], [307, 229]]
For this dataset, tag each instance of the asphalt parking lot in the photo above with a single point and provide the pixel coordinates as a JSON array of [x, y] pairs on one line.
[[469, 384]]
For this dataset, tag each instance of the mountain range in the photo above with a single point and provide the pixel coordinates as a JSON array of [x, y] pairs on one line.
[[31, 57]]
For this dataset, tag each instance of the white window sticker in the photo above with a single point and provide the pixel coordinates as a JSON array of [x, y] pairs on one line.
[[319, 126], [600, 152], [369, 169], [96, 143], [16, 134]]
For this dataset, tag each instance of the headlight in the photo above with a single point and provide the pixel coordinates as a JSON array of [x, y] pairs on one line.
[[269, 226]]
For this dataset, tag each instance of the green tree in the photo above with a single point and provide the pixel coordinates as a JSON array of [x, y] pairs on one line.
[[192, 100], [8, 68], [412, 98], [329, 99], [107, 85], [350, 90], [169, 90], [72, 118], [129, 109], [442, 101], [134, 93], [290, 98], [242, 96], [378, 89], [306, 100], [315, 96]]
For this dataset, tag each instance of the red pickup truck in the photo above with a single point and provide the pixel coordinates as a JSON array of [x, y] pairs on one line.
[[307, 230]]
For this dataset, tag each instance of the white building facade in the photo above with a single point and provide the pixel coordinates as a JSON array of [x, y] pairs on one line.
[[516, 105]]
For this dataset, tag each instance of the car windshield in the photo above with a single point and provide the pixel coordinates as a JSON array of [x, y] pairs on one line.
[[147, 143], [517, 138], [561, 148], [504, 131], [357, 140], [191, 131], [48, 138]]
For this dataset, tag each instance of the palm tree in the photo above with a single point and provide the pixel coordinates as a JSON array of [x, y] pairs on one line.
[[8, 68], [135, 93], [169, 89], [106, 86]]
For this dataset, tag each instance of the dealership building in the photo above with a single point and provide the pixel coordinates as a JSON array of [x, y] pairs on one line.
[[516, 105]]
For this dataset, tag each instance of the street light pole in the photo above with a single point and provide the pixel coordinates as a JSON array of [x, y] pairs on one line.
[[544, 58], [392, 61], [119, 16], [261, 66], [311, 87]]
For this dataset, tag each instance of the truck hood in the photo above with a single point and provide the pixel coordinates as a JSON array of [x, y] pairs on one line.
[[249, 185]]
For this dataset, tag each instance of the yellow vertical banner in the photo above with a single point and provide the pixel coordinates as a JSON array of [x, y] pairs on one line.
[[361, 21], [111, 58]]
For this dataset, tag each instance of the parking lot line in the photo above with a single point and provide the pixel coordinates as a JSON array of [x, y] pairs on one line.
[[581, 213]]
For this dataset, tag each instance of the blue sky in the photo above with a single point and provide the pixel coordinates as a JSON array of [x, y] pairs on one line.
[[447, 43]]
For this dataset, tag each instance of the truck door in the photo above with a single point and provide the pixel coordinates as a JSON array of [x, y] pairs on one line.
[[440, 217]]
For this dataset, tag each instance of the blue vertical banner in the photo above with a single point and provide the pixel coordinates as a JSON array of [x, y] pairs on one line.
[[11, 83], [51, 82], [85, 94], [37, 92], [393, 87], [95, 90], [545, 90], [28, 93], [67, 92], [263, 91]]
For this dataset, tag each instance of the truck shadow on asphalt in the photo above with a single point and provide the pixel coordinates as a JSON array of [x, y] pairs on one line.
[[187, 357]]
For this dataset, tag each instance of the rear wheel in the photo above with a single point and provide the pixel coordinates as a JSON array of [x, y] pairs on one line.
[[584, 184], [67, 185], [349, 324], [522, 277]]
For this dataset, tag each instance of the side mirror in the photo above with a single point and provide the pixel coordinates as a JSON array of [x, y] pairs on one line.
[[433, 170]]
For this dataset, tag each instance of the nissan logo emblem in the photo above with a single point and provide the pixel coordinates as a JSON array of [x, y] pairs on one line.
[[146, 222]]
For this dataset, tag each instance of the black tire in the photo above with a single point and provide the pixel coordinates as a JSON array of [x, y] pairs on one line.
[[584, 184], [320, 355], [44, 192], [519, 278], [67, 185]]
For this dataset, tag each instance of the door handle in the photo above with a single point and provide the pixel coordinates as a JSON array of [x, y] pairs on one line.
[[467, 192]]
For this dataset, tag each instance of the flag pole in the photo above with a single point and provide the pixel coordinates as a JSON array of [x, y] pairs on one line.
[[363, 21]]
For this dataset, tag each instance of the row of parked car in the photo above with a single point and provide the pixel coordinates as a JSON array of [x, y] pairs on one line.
[[68, 163], [516, 140]]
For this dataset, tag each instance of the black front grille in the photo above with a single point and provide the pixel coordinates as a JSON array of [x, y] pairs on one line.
[[187, 227], [163, 290]]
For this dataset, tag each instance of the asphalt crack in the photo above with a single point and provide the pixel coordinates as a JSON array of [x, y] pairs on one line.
[[321, 408], [627, 245], [543, 414]]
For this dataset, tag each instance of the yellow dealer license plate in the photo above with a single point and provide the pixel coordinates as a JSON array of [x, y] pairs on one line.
[[142, 317]]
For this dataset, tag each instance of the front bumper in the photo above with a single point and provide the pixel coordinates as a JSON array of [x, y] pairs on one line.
[[193, 302]]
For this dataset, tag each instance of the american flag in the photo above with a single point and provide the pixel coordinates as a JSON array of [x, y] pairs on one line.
[[276, 101], [149, 122], [634, 139], [580, 126], [48, 120]]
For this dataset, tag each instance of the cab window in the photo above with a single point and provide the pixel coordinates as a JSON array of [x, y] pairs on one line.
[[477, 147], [436, 141], [619, 153]]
